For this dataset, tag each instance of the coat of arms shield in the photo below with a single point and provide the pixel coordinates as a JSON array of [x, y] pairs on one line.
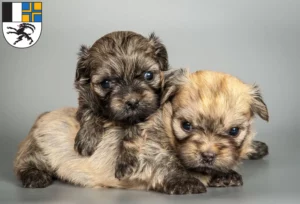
[[22, 23]]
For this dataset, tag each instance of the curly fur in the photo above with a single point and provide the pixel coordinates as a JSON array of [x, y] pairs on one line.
[[121, 58], [167, 158]]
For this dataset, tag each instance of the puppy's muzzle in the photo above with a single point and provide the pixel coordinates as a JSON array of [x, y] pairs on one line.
[[208, 157], [132, 103]]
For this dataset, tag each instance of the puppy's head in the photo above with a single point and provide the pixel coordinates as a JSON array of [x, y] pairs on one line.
[[211, 120], [120, 76]]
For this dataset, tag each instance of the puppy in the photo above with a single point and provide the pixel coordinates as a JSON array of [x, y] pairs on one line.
[[121, 80], [210, 121], [48, 153], [181, 135], [120, 83]]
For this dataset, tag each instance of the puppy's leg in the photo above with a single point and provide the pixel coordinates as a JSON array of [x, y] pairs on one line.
[[127, 161], [173, 178], [222, 179], [35, 174], [88, 137], [258, 150], [31, 165]]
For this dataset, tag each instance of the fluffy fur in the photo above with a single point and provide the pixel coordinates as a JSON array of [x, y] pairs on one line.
[[48, 153], [121, 82], [212, 102]]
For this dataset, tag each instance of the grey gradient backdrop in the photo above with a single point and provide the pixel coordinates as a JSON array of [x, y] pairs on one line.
[[255, 40]]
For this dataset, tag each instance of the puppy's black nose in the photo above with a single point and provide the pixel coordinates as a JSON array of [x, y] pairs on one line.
[[132, 103], [208, 157]]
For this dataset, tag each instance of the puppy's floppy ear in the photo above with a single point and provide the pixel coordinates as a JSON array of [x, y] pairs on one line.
[[82, 70], [160, 52], [172, 80], [258, 106]]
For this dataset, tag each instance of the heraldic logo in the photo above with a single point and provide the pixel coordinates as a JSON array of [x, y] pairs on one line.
[[22, 23]]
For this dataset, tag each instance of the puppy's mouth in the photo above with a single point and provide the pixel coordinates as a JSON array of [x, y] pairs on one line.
[[132, 108], [133, 115], [205, 166]]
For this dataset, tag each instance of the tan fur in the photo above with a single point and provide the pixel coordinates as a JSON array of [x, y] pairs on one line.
[[54, 135], [214, 102], [210, 100]]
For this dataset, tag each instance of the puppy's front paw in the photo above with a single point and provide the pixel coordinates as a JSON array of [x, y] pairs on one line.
[[231, 178], [125, 166], [85, 144], [184, 185], [260, 150]]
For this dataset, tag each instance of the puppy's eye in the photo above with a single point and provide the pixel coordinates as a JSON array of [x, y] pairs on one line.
[[186, 126], [105, 84], [148, 76], [234, 131]]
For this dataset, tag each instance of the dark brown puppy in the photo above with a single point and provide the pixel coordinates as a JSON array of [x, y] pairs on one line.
[[119, 80]]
